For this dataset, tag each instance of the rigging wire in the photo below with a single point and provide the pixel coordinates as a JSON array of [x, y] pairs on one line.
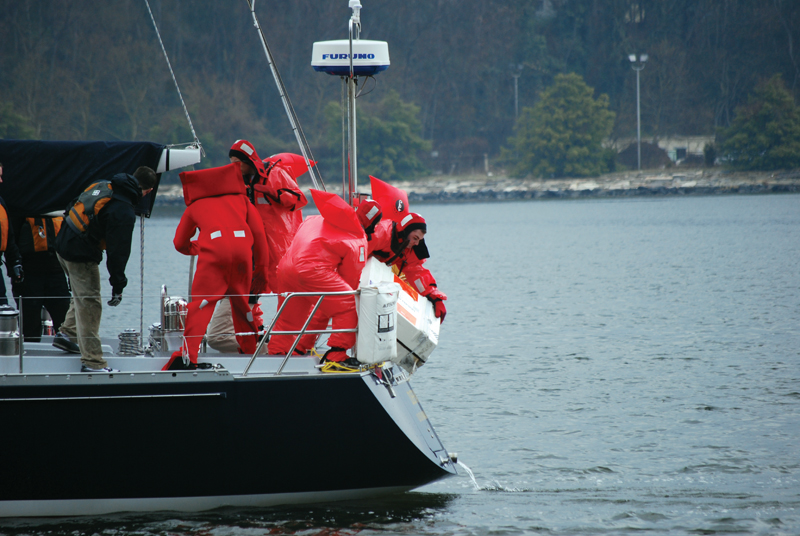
[[374, 85], [141, 282], [287, 104], [180, 96]]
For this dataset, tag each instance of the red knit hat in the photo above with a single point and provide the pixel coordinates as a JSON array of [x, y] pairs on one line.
[[244, 151]]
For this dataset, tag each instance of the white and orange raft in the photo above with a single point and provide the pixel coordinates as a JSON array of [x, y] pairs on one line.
[[417, 326]]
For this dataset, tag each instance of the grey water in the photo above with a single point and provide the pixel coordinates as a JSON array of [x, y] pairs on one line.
[[606, 367]]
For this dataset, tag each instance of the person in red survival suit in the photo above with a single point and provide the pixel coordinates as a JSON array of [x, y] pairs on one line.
[[327, 255], [399, 241], [231, 238], [272, 188]]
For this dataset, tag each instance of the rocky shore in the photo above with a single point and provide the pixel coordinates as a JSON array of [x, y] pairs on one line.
[[630, 183]]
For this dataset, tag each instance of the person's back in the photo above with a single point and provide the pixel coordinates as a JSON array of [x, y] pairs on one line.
[[320, 248], [229, 220]]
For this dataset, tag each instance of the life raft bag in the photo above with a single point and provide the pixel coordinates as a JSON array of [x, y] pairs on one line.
[[87, 206], [38, 234]]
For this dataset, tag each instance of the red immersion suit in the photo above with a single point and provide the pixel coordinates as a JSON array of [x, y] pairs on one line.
[[231, 238], [279, 202], [387, 240], [327, 255]]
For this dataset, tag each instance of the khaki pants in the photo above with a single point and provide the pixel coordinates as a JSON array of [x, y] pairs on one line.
[[82, 323], [220, 334]]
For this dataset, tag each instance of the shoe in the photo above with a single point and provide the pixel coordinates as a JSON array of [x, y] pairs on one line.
[[340, 357], [176, 362], [334, 355], [84, 368], [62, 342], [352, 362]]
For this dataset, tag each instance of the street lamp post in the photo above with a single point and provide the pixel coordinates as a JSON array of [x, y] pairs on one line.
[[516, 75], [637, 63]]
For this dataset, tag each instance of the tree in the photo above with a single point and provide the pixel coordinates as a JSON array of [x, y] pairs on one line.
[[12, 125], [765, 134], [562, 135], [389, 138]]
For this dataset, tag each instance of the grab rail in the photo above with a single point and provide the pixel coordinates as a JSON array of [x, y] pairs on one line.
[[302, 331]]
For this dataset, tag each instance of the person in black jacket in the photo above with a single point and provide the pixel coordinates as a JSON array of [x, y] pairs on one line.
[[8, 248], [45, 285], [80, 255]]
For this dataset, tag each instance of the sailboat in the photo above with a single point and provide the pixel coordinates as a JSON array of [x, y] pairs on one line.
[[248, 431]]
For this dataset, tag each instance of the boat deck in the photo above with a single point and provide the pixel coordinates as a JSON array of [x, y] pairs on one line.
[[43, 358]]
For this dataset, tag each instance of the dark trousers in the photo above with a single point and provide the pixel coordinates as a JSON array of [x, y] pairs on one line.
[[42, 290]]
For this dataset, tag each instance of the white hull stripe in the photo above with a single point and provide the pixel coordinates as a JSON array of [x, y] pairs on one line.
[[92, 507]]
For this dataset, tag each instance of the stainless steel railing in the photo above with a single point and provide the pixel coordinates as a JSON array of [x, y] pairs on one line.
[[303, 331]]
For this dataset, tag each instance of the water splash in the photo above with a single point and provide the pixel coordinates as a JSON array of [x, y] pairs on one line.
[[471, 475], [494, 486]]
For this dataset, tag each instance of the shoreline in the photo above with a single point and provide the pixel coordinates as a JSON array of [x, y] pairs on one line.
[[470, 188]]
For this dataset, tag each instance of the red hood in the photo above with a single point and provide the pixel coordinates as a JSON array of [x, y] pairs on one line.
[[336, 212], [393, 201], [212, 182], [243, 148], [295, 164]]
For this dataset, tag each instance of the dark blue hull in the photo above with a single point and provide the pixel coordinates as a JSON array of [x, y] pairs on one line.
[[77, 444]]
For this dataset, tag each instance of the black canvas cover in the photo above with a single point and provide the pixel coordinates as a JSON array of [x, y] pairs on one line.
[[45, 176]]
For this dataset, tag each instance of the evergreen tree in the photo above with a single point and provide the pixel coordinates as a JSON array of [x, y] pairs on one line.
[[389, 138], [12, 125], [765, 133], [562, 135]]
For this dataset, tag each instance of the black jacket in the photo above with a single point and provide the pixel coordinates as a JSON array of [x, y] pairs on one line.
[[115, 224]]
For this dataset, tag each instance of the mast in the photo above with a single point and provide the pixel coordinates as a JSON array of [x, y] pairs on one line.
[[352, 82], [350, 59]]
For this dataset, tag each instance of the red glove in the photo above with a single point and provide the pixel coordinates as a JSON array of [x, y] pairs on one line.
[[439, 310], [258, 284], [258, 315], [436, 294], [437, 297]]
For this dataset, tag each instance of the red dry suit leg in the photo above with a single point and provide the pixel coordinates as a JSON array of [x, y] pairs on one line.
[[327, 255], [341, 309], [228, 274]]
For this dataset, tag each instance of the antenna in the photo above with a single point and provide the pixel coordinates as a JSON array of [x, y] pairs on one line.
[[348, 59]]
